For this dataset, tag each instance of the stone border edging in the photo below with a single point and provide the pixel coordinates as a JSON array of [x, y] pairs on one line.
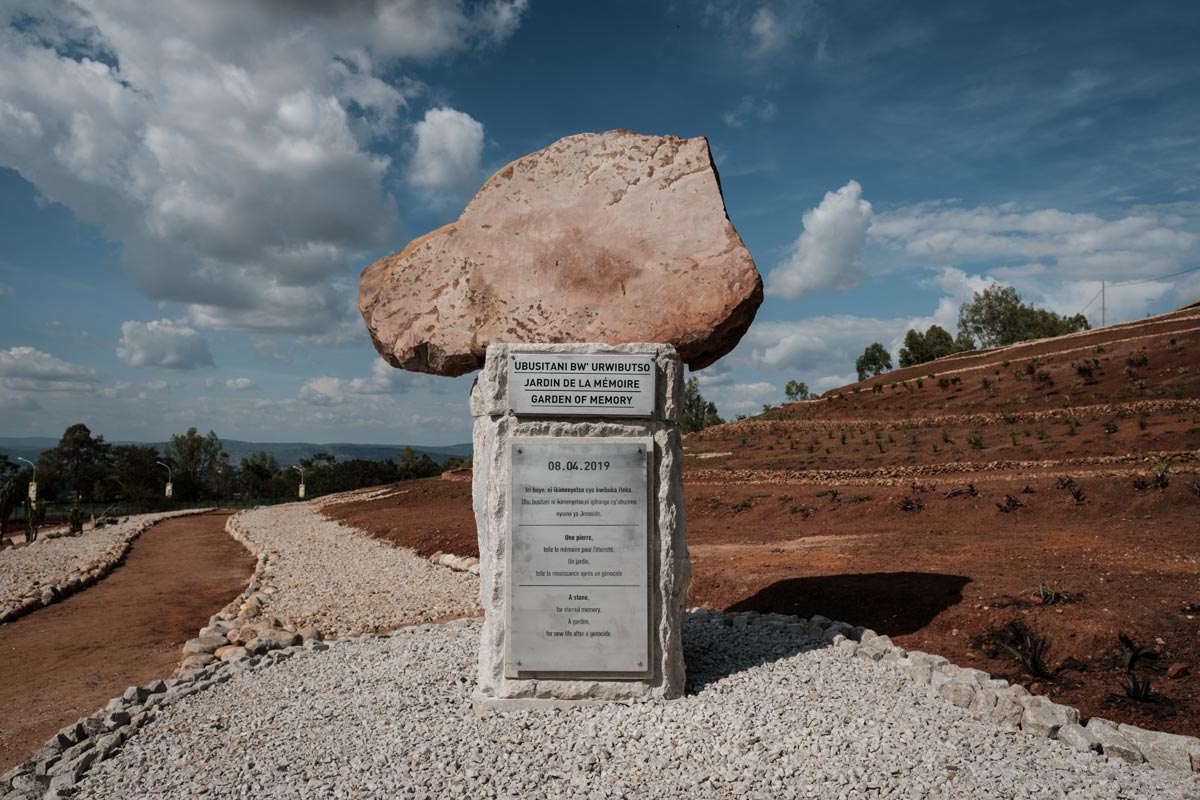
[[244, 628], [457, 563], [61, 763], [991, 699], [108, 560]]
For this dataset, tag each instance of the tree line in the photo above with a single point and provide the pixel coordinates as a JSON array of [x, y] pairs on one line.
[[83, 468], [995, 317]]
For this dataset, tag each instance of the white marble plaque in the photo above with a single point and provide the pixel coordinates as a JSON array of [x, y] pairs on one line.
[[581, 385], [579, 558]]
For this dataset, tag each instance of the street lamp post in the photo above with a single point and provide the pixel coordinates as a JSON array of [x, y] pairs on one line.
[[32, 483], [300, 491], [170, 487]]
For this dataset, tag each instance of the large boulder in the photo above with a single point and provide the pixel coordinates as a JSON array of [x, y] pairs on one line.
[[606, 237]]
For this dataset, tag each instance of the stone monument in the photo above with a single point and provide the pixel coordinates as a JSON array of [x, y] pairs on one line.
[[580, 279]]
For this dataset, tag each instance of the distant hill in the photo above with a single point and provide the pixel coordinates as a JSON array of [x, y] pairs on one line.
[[285, 452]]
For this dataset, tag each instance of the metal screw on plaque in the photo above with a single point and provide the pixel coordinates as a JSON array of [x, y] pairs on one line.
[[639, 663], [520, 451]]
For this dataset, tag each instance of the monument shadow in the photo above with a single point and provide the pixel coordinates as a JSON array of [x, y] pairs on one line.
[[890, 603]]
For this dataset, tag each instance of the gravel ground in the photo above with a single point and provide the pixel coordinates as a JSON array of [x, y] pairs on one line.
[[51, 561], [770, 714], [341, 581]]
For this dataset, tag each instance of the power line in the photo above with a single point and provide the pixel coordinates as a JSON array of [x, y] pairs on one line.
[[1159, 278], [1104, 287]]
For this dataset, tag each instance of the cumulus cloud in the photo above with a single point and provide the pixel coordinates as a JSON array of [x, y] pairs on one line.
[[231, 384], [163, 343], [230, 147], [1146, 242], [26, 369], [746, 397], [828, 253], [449, 149], [326, 390]]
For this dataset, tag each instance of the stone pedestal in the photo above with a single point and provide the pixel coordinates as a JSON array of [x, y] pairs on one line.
[[595, 670]]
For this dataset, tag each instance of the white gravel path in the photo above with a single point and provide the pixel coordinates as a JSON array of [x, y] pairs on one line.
[[52, 561], [770, 715], [342, 581]]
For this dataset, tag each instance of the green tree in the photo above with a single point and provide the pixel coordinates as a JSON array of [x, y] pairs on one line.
[[258, 473], [796, 390], [919, 347], [997, 316], [874, 360], [7, 468], [963, 342], [698, 413], [135, 472], [194, 459], [78, 466]]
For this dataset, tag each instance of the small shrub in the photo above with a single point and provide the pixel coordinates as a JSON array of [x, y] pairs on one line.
[[1135, 688], [1044, 378], [1099, 348], [1085, 371], [943, 383], [985, 384], [1065, 482], [741, 506], [1110, 427], [1142, 423], [912, 504], [1009, 505], [859, 498], [945, 436], [1077, 495], [1029, 649], [976, 441], [920, 383], [1049, 596], [1138, 359], [1140, 483]]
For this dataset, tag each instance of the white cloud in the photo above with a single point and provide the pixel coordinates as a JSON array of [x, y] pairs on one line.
[[163, 343], [1147, 241], [326, 390], [231, 384], [749, 107], [766, 28], [229, 147], [6, 291], [827, 255], [26, 369], [746, 397], [818, 345], [449, 149]]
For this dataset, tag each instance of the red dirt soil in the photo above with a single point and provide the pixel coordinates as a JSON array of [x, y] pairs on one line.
[[1102, 408], [65, 661]]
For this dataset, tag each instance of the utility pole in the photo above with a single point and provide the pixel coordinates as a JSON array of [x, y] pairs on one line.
[[1102, 307]]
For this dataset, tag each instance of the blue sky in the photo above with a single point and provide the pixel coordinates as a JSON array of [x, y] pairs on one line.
[[188, 191]]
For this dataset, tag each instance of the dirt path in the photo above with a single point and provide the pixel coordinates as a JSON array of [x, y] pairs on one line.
[[69, 659]]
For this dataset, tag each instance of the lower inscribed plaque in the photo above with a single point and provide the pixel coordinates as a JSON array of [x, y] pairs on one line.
[[578, 596]]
